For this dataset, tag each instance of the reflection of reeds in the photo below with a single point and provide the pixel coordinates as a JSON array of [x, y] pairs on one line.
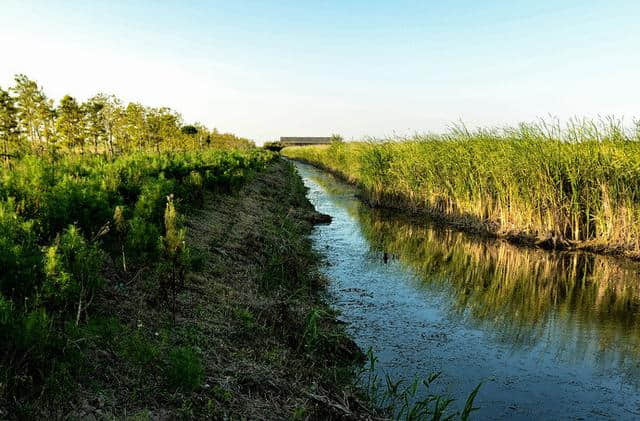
[[577, 186], [518, 292]]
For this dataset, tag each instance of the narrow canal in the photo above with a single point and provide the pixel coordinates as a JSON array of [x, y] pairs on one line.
[[549, 335]]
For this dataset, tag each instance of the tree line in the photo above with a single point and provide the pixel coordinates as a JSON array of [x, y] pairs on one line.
[[103, 124]]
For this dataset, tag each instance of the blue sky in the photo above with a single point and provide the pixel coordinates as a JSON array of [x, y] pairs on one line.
[[263, 69]]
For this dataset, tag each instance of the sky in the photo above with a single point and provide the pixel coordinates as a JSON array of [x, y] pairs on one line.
[[265, 69]]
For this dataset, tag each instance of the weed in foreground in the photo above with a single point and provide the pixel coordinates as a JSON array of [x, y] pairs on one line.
[[184, 369], [410, 401]]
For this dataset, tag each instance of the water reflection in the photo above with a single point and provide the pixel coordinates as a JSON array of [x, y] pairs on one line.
[[550, 335], [583, 306], [525, 295]]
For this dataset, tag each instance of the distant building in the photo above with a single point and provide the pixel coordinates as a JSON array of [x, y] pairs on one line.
[[303, 141]]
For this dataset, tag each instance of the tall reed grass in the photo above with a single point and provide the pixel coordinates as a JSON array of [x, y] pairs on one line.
[[576, 185]]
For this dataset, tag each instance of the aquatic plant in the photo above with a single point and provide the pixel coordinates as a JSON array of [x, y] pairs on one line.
[[410, 400], [574, 186]]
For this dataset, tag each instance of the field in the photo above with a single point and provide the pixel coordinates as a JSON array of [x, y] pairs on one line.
[[155, 269], [63, 223], [573, 187]]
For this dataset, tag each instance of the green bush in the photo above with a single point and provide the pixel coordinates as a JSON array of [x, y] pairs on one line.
[[59, 217], [20, 256], [150, 204], [142, 239], [184, 369], [141, 350], [72, 269]]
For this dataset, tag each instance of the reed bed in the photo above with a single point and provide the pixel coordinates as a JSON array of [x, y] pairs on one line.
[[575, 186]]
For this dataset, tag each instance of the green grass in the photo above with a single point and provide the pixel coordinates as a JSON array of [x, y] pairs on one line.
[[411, 400], [573, 186], [184, 369], [64, 222]]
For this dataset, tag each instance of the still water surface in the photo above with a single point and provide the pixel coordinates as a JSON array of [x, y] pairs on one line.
[[550, 335]]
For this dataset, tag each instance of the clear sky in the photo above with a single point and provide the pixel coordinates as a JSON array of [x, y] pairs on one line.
[[263, 69]]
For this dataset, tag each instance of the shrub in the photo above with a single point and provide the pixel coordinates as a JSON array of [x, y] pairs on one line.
[[142, 239], [72, 269], [150, 203], [20, 257], [175, 250], [184, 369], [58, 218], [140, 349]]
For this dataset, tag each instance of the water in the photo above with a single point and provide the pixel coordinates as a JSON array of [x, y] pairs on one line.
[[550, 335]]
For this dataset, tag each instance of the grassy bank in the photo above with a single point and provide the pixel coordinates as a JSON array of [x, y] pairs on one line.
[[559, 188], [152, 269], [168, 286]]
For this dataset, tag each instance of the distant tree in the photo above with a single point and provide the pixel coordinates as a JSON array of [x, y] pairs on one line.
[[111, 116], [135, 125], [163, 126], [199, 138], [35, 113], [190, 136], [105, 121], [8, 122], [69, 123], [153, 128], [336, 138], [189, 130], [93, 120], [171, 124], [228, 140], [28, 116]]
